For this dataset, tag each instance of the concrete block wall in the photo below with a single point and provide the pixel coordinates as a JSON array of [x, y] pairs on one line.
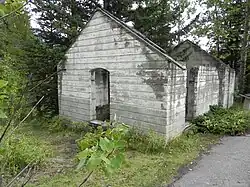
[[231, 87], [176, 103], [146, 90], [209, 81], [207, 89], [225, 88]]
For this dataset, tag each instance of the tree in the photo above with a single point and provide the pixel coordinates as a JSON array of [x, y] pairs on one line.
[[41, 61], [161, 21], [244, 48], [223, 23], [61, 21], [14, 31]]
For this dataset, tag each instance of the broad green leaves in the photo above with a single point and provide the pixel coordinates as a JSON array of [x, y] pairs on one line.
[[106, 151], [2, 10], [106, 144]]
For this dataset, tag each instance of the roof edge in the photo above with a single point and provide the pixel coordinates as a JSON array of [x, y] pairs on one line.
[[150, 43], [215, 58]]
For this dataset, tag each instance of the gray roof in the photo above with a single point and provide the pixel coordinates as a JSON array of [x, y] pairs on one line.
[[247, 96], [202, 50]]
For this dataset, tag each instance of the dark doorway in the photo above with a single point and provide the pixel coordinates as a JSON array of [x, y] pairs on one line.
[[192, 76], [100, 94]]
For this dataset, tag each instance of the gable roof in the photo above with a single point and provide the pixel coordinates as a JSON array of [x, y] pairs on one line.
[[138, 35], [203, 51]]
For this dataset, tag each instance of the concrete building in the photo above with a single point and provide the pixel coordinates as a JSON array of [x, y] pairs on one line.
[[209, 80], [113, 70]]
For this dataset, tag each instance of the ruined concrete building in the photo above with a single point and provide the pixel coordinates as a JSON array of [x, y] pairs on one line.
[[209, 81], [113, 70]]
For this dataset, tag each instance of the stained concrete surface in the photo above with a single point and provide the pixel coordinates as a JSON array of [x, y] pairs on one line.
[[227, 165]]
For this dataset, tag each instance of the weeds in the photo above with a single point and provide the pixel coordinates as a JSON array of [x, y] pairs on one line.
[[145, 142], [218, 120], [60, 124], [19, 150]]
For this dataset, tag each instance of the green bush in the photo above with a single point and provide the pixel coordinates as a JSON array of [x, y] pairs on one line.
[[103, 149], [218, 120], [18, 151]]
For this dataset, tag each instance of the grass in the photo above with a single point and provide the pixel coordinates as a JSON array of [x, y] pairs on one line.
[[140, 169], [144, 167]]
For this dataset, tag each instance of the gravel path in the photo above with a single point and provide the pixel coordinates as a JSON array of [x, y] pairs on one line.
[[227, 165]]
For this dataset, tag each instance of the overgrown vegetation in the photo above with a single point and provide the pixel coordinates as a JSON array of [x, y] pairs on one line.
[[145, 142], [19, 150], [233, 121], [148, 160]]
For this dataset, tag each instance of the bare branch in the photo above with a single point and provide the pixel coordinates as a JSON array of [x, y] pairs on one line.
[[86, 179], [20, 173], [25, 117], [11, 119], [46, 79], [28, 179]]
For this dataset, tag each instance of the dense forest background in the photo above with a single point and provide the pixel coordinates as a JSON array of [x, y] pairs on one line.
[[29, 56]]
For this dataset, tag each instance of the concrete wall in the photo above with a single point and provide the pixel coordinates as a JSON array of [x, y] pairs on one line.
[[207, 89], [146, 90], [209, 81], [231, 86]]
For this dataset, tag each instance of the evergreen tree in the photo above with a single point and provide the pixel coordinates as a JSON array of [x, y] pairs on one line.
[[61, 21], [224, 24], [158, 19]]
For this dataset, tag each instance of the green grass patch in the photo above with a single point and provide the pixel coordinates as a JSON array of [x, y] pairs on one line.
[[19, 150], [149, 160], [141, 168]]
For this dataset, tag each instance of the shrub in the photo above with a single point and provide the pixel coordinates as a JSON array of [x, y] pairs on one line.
[[218, 120], [18, 151]]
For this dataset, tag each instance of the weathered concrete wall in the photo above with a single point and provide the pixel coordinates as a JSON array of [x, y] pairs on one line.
[[146, 90], [207, 89], [176, 102], [209, 82], [231, 86]]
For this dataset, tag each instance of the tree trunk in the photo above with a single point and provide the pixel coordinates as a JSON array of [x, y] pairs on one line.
[[243, 58]]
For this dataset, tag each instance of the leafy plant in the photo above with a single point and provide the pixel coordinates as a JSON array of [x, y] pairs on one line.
[[222, 121], [104, 150]]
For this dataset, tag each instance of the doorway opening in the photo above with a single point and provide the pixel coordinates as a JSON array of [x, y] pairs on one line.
[[100, 92]]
